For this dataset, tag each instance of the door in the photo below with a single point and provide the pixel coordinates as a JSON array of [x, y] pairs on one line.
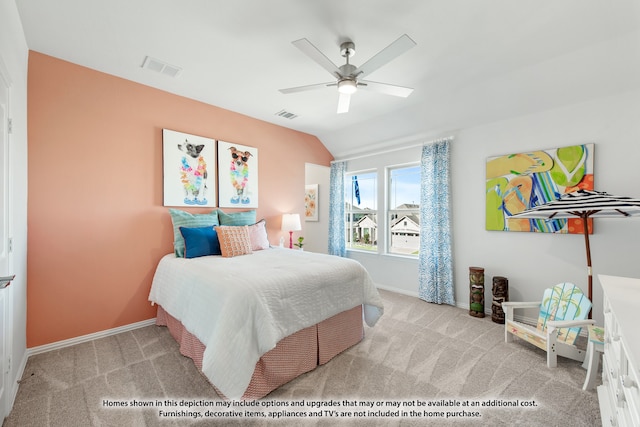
[[5, 244]]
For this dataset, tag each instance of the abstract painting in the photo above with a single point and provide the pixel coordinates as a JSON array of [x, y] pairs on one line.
[[516, 182]]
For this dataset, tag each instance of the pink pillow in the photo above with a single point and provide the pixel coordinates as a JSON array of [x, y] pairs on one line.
[[234, 240], [258, 235]]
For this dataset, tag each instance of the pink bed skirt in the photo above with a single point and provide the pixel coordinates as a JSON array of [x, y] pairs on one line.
[[293, 356]]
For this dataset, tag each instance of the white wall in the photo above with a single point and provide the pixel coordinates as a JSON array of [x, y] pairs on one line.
[[316, 232], [398, 273], [14, 54], [531, 261]]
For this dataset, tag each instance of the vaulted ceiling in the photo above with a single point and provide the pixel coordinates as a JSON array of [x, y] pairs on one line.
[[474, 62]]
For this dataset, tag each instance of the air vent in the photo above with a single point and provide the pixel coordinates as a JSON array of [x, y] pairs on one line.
[[286, 114], [161, 67]]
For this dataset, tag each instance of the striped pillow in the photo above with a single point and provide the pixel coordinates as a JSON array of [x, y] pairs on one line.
[[234, 240], [237, 218]]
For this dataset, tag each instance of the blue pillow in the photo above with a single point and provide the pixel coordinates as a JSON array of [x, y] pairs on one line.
[[185, 219], [200, 241], [237, 218]]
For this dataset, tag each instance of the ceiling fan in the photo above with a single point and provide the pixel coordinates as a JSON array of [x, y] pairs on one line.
[[349, 77]]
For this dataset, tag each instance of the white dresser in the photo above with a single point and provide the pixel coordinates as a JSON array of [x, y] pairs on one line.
[[619, 394]]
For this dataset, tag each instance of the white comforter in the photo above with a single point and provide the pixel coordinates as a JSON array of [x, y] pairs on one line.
[[241, 307]]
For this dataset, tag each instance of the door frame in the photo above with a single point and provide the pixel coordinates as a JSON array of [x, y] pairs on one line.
[[6, 400]]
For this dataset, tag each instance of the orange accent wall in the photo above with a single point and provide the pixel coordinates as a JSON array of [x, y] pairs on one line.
[[96, 224]]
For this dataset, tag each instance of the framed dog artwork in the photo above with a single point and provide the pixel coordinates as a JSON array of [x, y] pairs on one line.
[[237, 175], [189, 169]]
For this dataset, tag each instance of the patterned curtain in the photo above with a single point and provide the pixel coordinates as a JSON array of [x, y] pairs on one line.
[[336, 210], [435, 272]]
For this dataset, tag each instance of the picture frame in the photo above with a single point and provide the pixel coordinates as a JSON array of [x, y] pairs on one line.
[[189, 169], [311, 202], [238, 175], [519, 181]]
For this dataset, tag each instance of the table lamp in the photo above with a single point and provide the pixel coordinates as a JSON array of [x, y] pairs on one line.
[[291, 223]]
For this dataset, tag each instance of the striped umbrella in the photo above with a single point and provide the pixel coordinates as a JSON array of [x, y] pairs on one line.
[[585, 204]]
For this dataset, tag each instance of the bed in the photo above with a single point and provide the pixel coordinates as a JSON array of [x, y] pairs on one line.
[[253, 322]]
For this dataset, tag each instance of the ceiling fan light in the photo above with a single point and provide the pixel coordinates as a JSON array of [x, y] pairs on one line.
[[347, 86]]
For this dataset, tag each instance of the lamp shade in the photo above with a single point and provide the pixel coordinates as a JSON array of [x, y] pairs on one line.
[[347, 86], [291, 222]]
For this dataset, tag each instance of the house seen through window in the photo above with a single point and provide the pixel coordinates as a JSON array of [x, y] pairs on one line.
[[361, 215], [362, 221], [404, 210]]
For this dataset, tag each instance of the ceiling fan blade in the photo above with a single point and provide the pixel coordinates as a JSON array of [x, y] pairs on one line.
[[343, 102], [312, 52], [385, 88], [389, 53], [306, 88]]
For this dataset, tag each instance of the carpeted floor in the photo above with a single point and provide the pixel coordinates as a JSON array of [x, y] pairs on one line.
[[432, 360]]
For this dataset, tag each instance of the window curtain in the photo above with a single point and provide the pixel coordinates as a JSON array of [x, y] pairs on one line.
[[336, 210], [435, 272]]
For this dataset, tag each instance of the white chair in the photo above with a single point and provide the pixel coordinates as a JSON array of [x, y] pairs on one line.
[[595, 349], [563, 311]]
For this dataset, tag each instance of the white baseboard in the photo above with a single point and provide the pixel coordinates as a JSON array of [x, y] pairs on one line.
[[397, 290], [89, 337], [462, 305]]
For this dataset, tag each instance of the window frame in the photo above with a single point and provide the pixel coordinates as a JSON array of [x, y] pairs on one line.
[[399, 213], [349, 219]]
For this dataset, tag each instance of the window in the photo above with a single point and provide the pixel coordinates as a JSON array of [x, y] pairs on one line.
[[361, 215], [400, 233], [404, 210]]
